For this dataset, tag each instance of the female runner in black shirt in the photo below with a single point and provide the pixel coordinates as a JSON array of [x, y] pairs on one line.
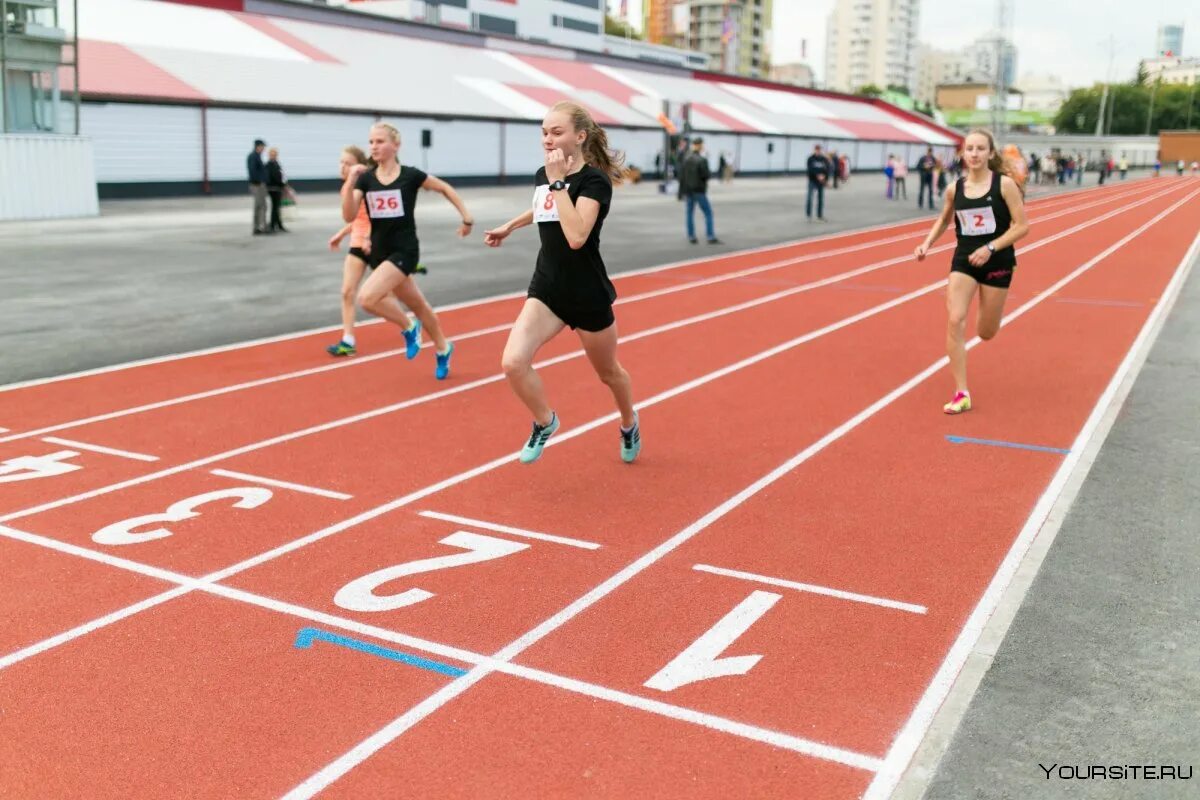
[[570, 285], [390, 192], [989, 217]]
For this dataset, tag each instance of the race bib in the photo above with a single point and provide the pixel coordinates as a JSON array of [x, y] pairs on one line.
[[385, 204], [544, 207], [977, 221]]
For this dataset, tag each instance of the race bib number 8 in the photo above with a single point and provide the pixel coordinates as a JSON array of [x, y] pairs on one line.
[[977, 221], [385, 204], [544, 207]]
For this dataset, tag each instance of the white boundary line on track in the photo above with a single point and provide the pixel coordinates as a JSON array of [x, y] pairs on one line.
[[1048, 200], [575, 608], [95, 448], [522, 532], [500, 328], [361, 752], [1090, 437], [811, 588], [186, 585], [255, 446], [295, 487]]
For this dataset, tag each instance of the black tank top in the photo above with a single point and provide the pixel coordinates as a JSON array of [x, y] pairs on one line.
[[980, 220]]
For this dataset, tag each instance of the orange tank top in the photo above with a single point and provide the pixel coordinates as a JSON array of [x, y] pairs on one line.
[[360, 229]]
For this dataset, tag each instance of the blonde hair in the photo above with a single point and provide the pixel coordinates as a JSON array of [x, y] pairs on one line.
[[392, 130], [595, 147], [357, 154]]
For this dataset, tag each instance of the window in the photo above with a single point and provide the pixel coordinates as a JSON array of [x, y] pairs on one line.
[[490, 24], [572, 24], [29, 100]]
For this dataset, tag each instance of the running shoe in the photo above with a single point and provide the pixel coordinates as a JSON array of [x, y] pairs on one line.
[[342, 348], [541, 434], [960, 403], [412, 340], [631, 442], [443, 363]]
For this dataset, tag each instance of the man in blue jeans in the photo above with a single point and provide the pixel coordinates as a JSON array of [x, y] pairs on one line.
[[818, 169], [693, 182]]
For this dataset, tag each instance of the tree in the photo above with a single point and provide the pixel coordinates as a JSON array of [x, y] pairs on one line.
[[869, 90], [897, 88], [617, 27], [1143, 76], [1128, 105]]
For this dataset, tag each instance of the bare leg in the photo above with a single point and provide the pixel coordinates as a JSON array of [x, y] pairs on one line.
[[535, 325]]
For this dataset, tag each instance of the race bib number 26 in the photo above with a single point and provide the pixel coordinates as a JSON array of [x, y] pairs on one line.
[[385, 204], [977, 221]]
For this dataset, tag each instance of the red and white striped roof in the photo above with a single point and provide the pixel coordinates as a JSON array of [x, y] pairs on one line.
[[149, 49]]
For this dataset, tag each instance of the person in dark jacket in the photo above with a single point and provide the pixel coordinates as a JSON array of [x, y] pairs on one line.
[[818, 169], [694, 184], [257, 173], [276, 184]]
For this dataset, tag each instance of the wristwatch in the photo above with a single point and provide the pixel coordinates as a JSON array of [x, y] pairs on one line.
[[558, 186], [991, 247]]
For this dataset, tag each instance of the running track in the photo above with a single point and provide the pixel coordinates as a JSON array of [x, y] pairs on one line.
[[252, 572]]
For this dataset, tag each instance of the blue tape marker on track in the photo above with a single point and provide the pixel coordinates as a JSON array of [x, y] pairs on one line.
[[306, 636], [997, 443]]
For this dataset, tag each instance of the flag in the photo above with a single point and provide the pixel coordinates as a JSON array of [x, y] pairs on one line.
[[726, 28], [803, 47], [625, 9]]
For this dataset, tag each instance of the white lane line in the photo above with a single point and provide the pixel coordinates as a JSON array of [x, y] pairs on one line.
[[528, 534], [1108, 404], [693, 283], [296, 487], [653, 556], [813, 588], [1057, 199], [482, 664], [344, 421], [95, 448]]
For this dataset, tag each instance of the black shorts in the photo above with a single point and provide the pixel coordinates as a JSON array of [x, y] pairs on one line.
[[358, 253], [992, 274], [408, 262], [592, 320]]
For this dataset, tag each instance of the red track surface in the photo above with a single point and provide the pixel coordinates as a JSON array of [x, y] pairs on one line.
[[790, 432]]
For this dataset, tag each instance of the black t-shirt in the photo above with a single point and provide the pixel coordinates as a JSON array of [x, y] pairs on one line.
[[574, 278], [392, 210], [926, 166]]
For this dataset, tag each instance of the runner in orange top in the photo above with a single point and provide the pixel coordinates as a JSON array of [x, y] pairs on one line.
[[1018, 170], [356, 261]]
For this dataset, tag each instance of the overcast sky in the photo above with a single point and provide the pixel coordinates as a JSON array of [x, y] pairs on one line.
[[1067, 38]]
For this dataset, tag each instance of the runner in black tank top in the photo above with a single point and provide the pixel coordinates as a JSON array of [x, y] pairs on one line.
[[570, 286], [989, 217]]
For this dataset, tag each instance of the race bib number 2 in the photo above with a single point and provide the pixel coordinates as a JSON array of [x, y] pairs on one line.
[[977, 221], [544, 207], [385, 204]]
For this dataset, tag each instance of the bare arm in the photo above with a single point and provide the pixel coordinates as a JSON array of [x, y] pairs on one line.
[[438, 185], [577, 219], [351, 198], [494, 237], [939, 225]]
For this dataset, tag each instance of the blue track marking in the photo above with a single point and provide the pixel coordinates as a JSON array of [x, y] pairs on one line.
[[306, 636], [997, 443]]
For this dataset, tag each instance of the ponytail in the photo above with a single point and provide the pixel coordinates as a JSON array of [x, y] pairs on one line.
[[595, 147]]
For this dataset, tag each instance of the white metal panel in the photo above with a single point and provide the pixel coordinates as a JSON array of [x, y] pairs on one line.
[[639, 146], [871, 155], [135, 142], [522, 151], [44, 176]]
